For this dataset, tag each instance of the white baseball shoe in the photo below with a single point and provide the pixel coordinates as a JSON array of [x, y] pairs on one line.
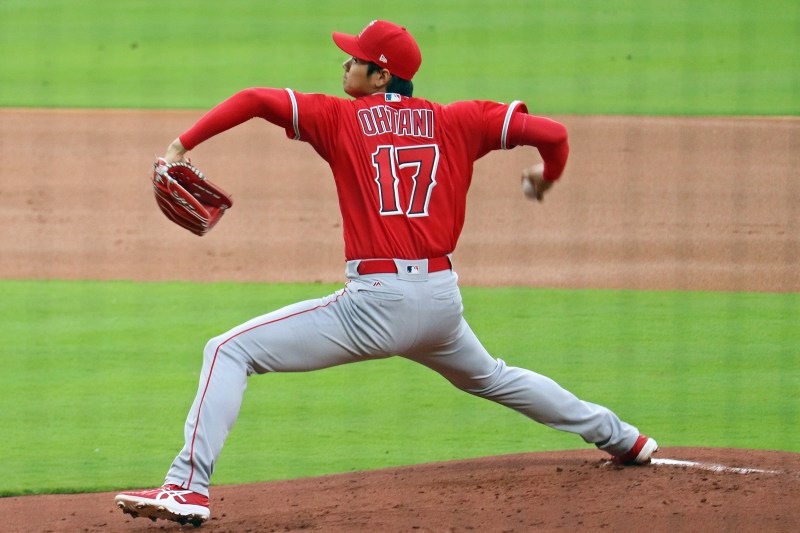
[[169, 502]]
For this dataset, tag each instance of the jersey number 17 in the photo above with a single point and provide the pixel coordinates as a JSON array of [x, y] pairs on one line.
[[388, 159]]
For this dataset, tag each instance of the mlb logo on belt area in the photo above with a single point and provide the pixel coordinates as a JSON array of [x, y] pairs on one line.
[[412, 269]]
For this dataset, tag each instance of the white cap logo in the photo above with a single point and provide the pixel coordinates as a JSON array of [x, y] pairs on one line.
[[365, 29], [383, 59]]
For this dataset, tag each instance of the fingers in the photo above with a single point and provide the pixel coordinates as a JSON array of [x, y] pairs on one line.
[[533, 183], [533, 172], [529, 188], [542, 187]]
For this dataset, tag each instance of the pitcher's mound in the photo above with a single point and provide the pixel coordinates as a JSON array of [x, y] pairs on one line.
[[686, 489]]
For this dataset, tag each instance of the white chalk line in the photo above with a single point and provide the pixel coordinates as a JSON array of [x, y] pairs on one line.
[[712, 467]]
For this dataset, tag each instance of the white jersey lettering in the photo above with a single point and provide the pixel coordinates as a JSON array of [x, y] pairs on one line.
[[368, 125], [382, 119]]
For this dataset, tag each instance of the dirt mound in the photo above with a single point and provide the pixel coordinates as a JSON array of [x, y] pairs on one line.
[[687, 489]]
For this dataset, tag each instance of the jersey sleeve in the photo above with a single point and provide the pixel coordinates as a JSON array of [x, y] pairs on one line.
[[272, 105], [307, 117], [482, 125], [548, 136], [315, 120]]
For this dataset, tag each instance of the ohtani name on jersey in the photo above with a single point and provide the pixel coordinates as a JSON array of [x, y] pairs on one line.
[[406, 122]]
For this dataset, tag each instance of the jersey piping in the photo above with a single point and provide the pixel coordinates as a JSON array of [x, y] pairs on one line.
[[504, 136], [295, 119], [214, 362]]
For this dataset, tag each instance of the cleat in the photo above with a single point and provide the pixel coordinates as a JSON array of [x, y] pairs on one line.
[[125, 510], [641, 453], [169, 502]]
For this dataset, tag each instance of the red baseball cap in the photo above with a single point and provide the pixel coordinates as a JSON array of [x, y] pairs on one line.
[[385, 44]]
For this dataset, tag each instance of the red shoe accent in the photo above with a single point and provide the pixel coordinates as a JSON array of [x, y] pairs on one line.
[[641, 453], [169, 502]]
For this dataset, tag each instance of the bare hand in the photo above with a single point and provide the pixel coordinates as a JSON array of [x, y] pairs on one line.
[[175, 152], [533, 183]]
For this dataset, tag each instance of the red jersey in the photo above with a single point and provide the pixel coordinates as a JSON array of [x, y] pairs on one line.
[[402, 166]]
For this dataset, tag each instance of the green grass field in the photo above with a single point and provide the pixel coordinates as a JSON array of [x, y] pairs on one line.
[[613, 57], [97, 376], [95, 388]]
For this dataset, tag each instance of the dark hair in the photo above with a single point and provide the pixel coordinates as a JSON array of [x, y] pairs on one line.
[[396, 84]]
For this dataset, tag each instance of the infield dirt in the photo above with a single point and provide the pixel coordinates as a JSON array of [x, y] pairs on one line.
[[645, 203]]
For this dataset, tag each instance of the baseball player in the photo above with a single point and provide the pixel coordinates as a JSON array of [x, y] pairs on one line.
[[402, 167]]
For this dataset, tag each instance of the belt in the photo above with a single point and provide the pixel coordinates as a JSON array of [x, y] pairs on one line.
[[388, 266]]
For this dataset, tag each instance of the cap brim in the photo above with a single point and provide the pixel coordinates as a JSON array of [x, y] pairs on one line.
[[349, 44]]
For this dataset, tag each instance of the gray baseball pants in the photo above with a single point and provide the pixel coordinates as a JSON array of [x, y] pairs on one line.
[[417, 316]]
